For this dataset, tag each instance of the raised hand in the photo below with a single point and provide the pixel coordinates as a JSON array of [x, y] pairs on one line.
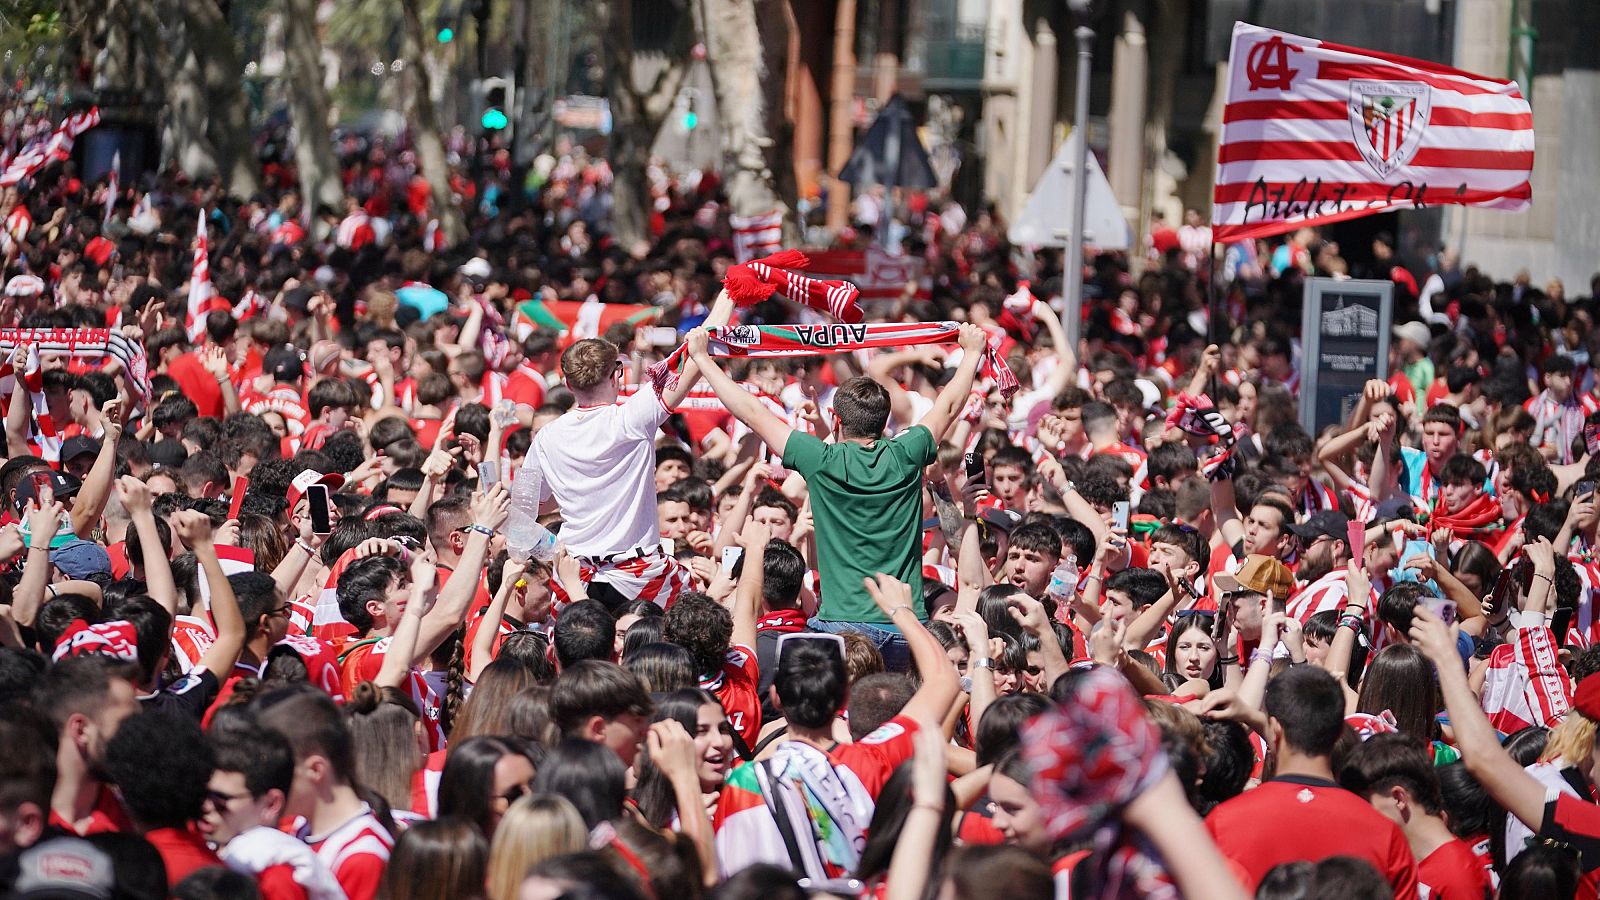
[[491, 508], [133, 494], [672, 749], [193, 527]]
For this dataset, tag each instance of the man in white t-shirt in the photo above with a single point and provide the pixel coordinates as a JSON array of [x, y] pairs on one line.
[[598, 462]]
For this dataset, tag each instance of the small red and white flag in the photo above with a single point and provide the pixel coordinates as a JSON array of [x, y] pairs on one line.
[[199, 283], [756, 236], [113, 184], [1315, 132]]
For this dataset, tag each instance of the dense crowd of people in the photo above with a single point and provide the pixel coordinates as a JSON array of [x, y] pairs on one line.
[[866, 620]]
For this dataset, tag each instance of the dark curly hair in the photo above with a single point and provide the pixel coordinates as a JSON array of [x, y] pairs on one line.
[[161, 763]]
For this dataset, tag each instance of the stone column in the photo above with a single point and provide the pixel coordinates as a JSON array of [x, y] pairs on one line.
[[1129, 86], [1042, 106]]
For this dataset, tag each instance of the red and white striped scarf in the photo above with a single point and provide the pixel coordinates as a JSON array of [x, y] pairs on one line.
[[85, 343], [751, 341], [754, 281]]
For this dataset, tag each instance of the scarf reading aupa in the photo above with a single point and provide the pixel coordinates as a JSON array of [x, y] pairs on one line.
[[752, 341]]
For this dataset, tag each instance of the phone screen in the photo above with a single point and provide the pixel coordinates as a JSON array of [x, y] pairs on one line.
[[317, 501]]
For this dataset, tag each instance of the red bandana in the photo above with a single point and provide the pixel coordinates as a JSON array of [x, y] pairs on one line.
[[784, 621]]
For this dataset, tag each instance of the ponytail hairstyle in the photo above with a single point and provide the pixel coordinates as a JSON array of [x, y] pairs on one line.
[[383, 729]]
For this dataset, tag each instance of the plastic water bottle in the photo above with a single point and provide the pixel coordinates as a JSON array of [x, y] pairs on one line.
[[1064, 580], [525, 537]]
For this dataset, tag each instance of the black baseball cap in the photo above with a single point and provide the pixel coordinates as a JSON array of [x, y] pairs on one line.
[[1323, 523]]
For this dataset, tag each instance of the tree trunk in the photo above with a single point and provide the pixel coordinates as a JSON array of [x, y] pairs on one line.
[[185, 141], [424, 123], [742, 77], [308, 106], [227, 118], [646, 60]]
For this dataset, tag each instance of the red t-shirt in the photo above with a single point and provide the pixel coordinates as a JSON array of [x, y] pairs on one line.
[[1454, 872], [875, 757], [197, 384], [738, 686], [1253, 829], [107, 817], [277, 883], [525, 386], [183, 851], [357, 853]]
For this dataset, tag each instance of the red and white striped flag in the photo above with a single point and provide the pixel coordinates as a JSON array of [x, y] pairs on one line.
[[56, 148], [1314, 132], [756, 236], [199, 283]]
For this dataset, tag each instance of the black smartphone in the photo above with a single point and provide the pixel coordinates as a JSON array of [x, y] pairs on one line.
[[1560, 621], [974, 462], [1582, 489], [317, 500]]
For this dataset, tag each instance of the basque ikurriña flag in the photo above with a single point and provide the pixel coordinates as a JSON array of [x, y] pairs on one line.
[[1314, 132]]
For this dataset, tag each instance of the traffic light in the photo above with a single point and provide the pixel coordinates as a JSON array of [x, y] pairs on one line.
[[444, 23], [496, 103]]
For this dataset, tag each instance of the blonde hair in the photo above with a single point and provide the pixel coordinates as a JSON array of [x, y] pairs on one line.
[[534, 829], [1572, 740]]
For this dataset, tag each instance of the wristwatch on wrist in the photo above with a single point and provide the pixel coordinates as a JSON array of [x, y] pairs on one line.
[[982, 662]]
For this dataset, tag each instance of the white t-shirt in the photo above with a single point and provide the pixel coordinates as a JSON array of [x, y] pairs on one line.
[[599, 463]]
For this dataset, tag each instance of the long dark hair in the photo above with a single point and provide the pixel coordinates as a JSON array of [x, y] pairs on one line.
[[589, 775], [1204, 622], [894, 804], [1400, 679], [466, 786], [653, 793], [439, 860]]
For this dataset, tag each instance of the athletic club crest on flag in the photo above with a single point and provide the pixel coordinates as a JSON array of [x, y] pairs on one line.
[[1389, 118]]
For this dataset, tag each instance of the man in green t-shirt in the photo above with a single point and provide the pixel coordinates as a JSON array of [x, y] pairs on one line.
[[866, 491]]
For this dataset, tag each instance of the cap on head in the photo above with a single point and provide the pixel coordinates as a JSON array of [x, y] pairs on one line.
[[308, 477], [1260, 574]]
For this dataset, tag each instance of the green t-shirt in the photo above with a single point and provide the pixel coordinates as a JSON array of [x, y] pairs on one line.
[[866, 505]]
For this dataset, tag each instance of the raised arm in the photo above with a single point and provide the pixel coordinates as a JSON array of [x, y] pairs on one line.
[[215, 360], [489, 512], [194, 529], [397, 661], [953, 396], [44, 521], [721, 312], [159, 584], [745, 407], [17, 412], [482, 649], [1066, 370], [96, 488], [1512, 787], [940, 686], [747, 596]]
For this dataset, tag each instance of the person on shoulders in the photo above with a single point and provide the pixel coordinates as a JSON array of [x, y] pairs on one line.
[[866, 491]]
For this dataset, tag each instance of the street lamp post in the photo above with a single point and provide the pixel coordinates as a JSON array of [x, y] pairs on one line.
[[1073, 268]]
